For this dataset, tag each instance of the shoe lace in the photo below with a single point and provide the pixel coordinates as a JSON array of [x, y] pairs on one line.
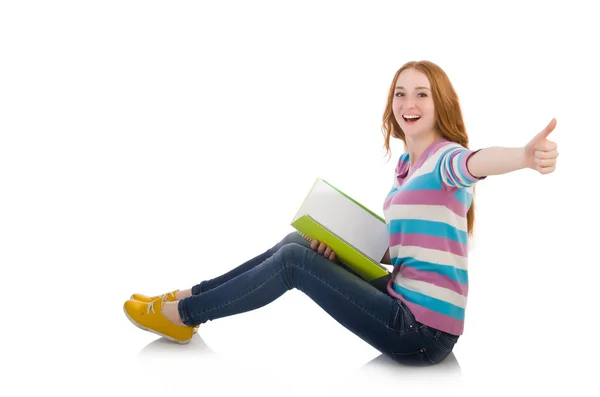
[[164, 297], [151, 307]]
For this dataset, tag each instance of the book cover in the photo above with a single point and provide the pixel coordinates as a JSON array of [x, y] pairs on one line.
[[356, 234]]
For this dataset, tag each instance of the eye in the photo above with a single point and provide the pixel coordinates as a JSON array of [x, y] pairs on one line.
[[422, 93], [399, 94]]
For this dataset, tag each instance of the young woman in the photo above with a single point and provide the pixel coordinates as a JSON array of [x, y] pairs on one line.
[[418, 315]]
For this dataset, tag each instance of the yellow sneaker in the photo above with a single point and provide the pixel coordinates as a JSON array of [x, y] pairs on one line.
[[168, 296], [148, 316]]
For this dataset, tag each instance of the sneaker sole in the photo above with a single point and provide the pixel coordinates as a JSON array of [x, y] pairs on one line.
[[181, 342]]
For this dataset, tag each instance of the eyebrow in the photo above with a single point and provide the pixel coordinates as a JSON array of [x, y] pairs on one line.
[[416, 88]]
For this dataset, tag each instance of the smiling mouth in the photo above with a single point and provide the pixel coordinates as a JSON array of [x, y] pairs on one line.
[[410, 119]]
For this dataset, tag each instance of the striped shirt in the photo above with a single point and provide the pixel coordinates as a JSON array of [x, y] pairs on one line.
[[426, 217]]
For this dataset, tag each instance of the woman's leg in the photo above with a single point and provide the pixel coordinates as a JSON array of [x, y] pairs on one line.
[[371, 314], [207, 285]]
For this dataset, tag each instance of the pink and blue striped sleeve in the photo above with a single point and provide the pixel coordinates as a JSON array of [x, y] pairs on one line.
[[453, 168]]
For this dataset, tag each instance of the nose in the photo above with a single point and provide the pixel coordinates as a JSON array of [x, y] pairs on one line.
[[408, 104]]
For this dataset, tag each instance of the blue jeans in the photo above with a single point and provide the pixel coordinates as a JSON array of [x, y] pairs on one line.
[[370, 312]]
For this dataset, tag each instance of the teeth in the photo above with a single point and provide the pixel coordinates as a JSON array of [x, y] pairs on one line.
[[411, 117]]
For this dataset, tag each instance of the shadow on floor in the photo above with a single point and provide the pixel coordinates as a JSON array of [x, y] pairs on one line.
[[382, 364], [162, 347]]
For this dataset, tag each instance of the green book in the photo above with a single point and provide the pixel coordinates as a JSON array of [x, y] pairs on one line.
[[357, 235]]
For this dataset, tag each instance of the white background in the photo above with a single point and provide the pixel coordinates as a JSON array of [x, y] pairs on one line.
[[146, 146]]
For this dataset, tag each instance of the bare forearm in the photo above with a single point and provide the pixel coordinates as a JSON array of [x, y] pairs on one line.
[[496, 161]]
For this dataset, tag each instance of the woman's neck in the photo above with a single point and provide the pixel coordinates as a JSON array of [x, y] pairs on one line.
[[415, 146]]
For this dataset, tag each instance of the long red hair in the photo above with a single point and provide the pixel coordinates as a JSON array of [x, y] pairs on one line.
[[449, 121]]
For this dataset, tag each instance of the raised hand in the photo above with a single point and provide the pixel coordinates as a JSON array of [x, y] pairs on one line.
[[540, 152]]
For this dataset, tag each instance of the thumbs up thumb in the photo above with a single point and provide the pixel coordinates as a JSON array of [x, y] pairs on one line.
[[541, 136]]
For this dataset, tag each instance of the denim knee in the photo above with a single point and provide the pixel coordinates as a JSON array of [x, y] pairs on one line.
[[291, 251], [287, 257], [294, 238]]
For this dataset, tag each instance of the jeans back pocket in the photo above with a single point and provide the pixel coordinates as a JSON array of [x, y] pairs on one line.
[[442, 340]]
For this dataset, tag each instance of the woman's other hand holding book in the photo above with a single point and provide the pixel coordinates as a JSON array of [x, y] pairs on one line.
[[322, 249]]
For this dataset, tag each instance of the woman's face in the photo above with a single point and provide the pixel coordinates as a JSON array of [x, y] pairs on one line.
[[412, 104]]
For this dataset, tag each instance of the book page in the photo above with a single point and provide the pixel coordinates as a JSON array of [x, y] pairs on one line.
[[346, 219]]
